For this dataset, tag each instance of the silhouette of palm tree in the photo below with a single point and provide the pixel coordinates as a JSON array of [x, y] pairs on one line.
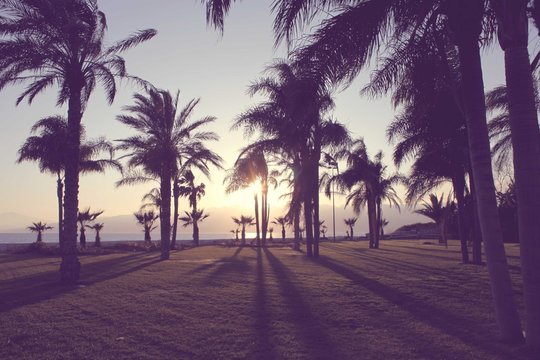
[[48, 43], [48, 149], [194, 217], [194, 193], [281, 221], [244, 221], [146, 219], [84, 217], [39, 228], [97, 227], [439, 211], [350, 222], [166, 135]]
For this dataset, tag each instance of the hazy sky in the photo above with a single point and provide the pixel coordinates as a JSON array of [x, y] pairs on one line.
[[188, 56]]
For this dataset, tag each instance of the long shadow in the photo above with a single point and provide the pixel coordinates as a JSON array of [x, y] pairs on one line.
[[212, 264], [312, 332], [461, 327], [263, 323], [428, 256], [227, 265], [35, 288]]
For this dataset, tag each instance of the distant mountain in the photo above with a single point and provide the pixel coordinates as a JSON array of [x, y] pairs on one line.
[[11, 222]]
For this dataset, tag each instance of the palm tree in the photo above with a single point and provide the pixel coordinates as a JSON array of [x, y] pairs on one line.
[[194, 217], [166, 136], [353, 32], [84, 217], [282, 221], [292, 127], [270, 231], [152, 200], [61, 43], [194, 193], [238, 225], [384, 223], [48, 149], [244, 221], [39, 228], [350, 222], [146, 219], [97, 227], [439, 212], [513, 38]]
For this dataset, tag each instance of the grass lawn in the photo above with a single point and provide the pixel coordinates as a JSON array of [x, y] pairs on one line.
[[406, 300]]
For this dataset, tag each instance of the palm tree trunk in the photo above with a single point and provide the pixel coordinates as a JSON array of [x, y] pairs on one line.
[[83, 237], [283, 233], [176, 196], [352, 232], [296, 225], [70, 267], [475, 227], [257, 224], [458, 183], [264, 209], [165, 213], [243, 235], [195, 233], [98, 240], [39, 237], [465, 19], [371, 216], [147, 237], [377, 222], [316, 219], [513, 37], [308, 218], [59, 195]]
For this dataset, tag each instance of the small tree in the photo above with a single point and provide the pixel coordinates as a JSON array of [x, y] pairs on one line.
[[282, 221], [39, 228], [350, 222], [384, 223], [194, 217], [271, 231], [84, 217], [244, 221], [97, 227], [438, 211], [147, 220]]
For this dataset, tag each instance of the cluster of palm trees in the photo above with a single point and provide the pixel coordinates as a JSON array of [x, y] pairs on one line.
[[445, 36], [431, 66]]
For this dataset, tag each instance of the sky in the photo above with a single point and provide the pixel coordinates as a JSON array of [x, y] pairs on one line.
[[189, 56]]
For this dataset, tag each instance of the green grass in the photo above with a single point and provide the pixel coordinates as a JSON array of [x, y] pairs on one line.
[[403, 301]]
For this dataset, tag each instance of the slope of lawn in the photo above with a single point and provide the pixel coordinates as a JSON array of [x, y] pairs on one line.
[[407, 300]]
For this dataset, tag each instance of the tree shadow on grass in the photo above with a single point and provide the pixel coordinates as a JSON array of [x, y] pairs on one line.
[[460, 327], [26, 290], [263, 324], [316, 341], [213, 263], [230, 265]]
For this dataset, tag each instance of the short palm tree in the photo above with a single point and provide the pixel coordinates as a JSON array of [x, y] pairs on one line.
[[194, 193], [244, 221], [166, 135], [384, 223], [439, 211], [97, 227], [39, 228], [152, 200], [194, 217], [281, 221], [60, 43], [84, 217], [48, 149], [350, 222], [146, 219]]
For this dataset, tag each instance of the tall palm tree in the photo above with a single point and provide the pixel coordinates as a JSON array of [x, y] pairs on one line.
[[350, 222], [46, 43], [194, 193], [48, 149], [146, 219], [39, 228], [84, 217], [513, 36], [281, 221], [238, 224], [439, 211], [194, 217], [166, 134], [97, 227], [249, 168]]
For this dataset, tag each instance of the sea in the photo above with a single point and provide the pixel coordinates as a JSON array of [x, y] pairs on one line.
[[27, 238]]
